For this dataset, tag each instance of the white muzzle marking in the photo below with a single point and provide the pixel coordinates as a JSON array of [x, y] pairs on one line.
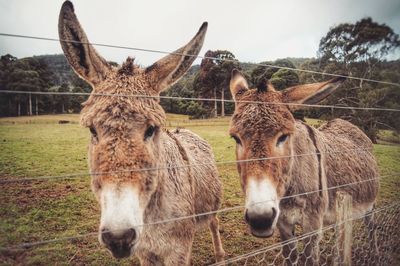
[[262, 197], [120, 209]]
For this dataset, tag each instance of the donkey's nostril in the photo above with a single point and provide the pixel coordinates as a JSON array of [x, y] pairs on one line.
[[106, 236], [129, 235], [273, 213], [246, 216]]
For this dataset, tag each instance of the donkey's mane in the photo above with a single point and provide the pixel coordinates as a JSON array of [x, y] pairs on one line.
[[128, 67]]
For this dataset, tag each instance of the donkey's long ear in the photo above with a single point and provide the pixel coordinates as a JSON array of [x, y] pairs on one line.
[[80, 54], [238, 84], [311, 93], [170, 68]]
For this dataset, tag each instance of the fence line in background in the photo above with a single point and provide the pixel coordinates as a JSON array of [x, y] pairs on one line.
[[229, 209], [197, 56], [76, 175], [303, 236], [196, 99]]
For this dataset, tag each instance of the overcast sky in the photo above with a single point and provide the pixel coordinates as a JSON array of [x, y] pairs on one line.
[[254, 30]]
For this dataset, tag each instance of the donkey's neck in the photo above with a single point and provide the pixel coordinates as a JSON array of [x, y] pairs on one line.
[[306, 173], [174, 181]]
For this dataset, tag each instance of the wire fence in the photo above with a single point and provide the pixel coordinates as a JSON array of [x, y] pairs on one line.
[[176, 219], [255, 257], [201, 99], [198, 99], [197, 56], [180, 166], [384, 227], [375, 242]]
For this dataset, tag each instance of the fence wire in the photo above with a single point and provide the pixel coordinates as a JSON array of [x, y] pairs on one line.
[[375, 242], [197, 56], [175, 219], [384, 227], [169, 167], [198, 99]]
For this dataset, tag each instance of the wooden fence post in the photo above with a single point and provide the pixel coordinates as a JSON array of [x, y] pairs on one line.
[[343, 233]]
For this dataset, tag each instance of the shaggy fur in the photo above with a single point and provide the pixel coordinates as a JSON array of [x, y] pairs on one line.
[[172, 186], [341, 161]]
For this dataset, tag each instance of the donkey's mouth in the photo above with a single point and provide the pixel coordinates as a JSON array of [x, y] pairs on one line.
[[121, 252], [262, 233]]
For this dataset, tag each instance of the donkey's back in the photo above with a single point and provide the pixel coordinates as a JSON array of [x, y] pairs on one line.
[[349, 160], [345, 132]]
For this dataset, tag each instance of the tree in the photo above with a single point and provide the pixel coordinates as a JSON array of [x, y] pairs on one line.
[[280, 78], [363, 41], [25, 80], [6, 67], [213, 79], [184, 89], [360, 50], [284, 78], [38, 73], [64, 99]]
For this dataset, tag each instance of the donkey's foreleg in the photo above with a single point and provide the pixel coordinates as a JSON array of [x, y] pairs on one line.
[[181, 249], [313, 227], [149, 259], [289, 251], [216, 238]]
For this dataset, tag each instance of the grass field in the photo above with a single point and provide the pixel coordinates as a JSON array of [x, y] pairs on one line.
[[45, 210]]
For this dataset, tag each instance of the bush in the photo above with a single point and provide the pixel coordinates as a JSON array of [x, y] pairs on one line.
[[195, 110]]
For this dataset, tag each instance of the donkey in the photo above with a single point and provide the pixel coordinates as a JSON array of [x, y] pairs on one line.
[[147, 173], [338, 153]]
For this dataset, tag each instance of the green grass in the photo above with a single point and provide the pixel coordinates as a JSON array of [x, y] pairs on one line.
[[44, 210], [389, 136]]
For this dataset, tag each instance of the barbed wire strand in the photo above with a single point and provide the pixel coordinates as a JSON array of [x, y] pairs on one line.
[[76, 175], [301, 237], [197, 99], [176, 219], [197, 56]]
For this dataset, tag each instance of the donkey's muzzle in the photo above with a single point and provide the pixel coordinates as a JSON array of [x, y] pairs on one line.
[[120, 243], [261, 223]]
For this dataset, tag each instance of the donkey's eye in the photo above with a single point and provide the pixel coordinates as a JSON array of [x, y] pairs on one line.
[[149, 132], [282, 139], [94, 135], [93, 131], [236, 139]]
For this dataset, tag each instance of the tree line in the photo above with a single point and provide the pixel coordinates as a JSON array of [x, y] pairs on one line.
[[362, 49], [49, 73]]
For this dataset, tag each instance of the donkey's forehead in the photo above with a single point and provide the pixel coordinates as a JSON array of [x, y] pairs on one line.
[[254, 115], [125, 81], [121, 111], [254, 95], [125, 95]]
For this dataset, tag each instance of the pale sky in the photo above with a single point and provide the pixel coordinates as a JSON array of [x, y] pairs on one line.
[[254, 30]]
